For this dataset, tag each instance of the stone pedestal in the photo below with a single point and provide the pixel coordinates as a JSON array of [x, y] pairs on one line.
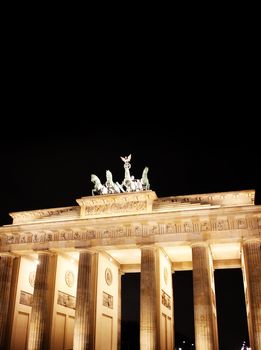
[[252, 271], [39, 330], [84, 329], [206, 336], [117, 204], [6, 265]]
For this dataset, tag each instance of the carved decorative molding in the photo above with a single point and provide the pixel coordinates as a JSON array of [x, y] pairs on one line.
[[134, 202], [32, 278], [194, 225], [108, 276], [166, 275], [199, 225], [69, 278], [117, 204], [44, 214], [224, 199]]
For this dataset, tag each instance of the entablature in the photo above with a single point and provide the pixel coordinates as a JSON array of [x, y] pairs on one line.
[[219, 223], [135, 203]]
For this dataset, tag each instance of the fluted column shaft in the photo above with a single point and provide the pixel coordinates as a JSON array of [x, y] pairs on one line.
[[40, 316], [84, 327], [6, 266], [252, 263], [204, 299], [119, 312], [148, 300]]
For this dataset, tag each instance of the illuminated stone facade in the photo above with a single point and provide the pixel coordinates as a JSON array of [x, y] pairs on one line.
[[60, 269]]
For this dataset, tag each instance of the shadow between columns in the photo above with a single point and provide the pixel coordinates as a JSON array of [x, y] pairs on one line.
[[130, 317]]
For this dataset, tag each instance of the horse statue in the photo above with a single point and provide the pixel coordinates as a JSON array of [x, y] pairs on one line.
[[129, 183], [144, 180], [111, 186], [98, 187]]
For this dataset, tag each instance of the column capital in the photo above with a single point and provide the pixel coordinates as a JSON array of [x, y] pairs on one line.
[[8, 254], [46, 252], [149, 246], [199, 244], [87, 250], [251, 240]]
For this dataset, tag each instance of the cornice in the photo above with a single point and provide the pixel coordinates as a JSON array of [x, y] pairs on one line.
[[135, 203]]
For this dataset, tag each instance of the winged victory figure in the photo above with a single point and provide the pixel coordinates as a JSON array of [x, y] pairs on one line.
[[126, 159]]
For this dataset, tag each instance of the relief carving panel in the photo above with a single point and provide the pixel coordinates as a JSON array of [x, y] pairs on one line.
[[165, 299], [135, 230], [107, 300], [66, 300]]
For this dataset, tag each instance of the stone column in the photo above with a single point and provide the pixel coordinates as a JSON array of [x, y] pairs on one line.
[[206, 336], [6, 266], [40, 322], [252, 274], [84, 326], [119, 311], [148, 300]]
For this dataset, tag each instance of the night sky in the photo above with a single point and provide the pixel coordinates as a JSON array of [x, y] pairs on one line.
[[185, 103], [50, 166]]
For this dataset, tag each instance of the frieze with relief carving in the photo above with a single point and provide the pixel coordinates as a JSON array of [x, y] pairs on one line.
[[116, 207], [211, 224]]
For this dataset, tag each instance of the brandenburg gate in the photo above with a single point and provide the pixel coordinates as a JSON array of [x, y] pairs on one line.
[[61, 268]]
